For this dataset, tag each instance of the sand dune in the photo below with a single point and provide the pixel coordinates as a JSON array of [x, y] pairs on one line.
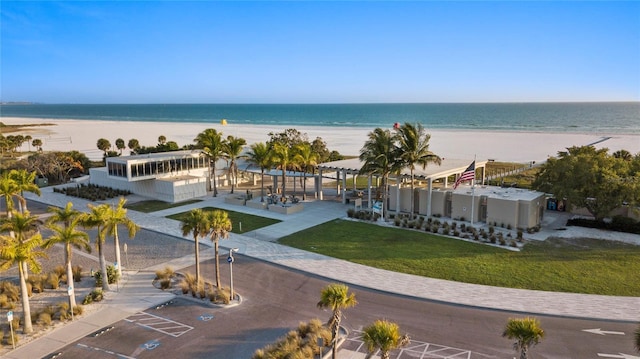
[[82, 135]]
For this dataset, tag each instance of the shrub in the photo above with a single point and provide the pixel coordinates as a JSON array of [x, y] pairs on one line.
[[44, 319], [53, 280], [502, 241], [396, 221], [37, 283], [63, 311], [10, 290], [95, 296], [112, 275], [166, 273], [77, 273], [351, 212], [60, 271], [519, 235], [513, 244]]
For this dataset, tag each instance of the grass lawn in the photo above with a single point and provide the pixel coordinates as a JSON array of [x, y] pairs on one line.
[[249, 222], [562, 265], [154, 205]]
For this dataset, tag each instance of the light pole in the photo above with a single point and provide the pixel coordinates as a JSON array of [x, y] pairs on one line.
[[230, 260]]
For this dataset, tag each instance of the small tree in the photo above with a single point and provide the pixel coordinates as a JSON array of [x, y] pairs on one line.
[[383, 335], [336, 297], [104, 145], [527, 333], [120, 145]]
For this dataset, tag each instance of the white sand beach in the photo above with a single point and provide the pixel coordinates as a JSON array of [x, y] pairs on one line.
[[82, 135]]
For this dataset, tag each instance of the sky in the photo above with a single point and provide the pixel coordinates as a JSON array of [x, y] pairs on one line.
[[319, 52]]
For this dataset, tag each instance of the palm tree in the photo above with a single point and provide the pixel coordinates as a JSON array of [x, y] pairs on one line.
[[103, 145], [8, 189], [37, 143], [260, 155], [526, 332], [162, 139], [133, 145], [232, 152], [97, 218], [379, 155], [307, 159], [118, 216], [63, 215], [21, 248], [210, 141], [120, 144], [26, 181], [219, 228], [623, 155], [336, 297], [383, 335], [281, 157], [68, 235], [413, 144], [196, 223]]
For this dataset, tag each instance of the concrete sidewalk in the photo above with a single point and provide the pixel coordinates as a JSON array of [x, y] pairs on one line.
[[138, 293]]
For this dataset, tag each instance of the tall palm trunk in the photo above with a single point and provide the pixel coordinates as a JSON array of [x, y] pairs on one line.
[[116, 240], [103, 267], [412, 195], [26, 309], [197, 253], [72, 297], [215, 186], [335, 329], [217, 263], [262, 185], [304, 186]]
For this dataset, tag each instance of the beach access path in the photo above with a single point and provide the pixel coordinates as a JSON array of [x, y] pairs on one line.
[[137, 293]]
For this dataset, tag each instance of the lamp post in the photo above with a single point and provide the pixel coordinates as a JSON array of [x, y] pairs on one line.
[[230, 260]]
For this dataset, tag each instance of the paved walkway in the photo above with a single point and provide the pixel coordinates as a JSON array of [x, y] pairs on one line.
[[136, 293]]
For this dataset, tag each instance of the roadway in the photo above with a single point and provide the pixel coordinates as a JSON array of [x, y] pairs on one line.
[[276, 299]]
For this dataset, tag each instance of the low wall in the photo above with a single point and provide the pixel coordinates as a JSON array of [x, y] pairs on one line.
[[235, 199], [289, 209]]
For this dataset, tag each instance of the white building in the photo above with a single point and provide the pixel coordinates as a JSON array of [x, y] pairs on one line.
[[168, 176]]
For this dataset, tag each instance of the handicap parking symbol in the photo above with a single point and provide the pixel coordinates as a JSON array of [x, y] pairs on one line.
[[205, 317], [150, 345]]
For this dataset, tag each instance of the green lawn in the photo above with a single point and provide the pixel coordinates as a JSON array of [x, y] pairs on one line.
[[562, 265], [154, 205], [249, 222]]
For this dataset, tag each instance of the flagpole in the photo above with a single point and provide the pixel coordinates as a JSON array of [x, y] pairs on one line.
[[473, 189]]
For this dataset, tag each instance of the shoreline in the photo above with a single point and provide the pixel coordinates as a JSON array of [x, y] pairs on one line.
[[506, 146]]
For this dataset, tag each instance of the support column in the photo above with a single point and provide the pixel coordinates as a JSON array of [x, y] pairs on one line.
[[398, 202], [344, 186], [319, 193], [338, 181], [429, 190], [354, 182], [369, 204]]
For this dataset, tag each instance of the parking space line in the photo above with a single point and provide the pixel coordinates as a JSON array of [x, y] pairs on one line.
[[159, 324]]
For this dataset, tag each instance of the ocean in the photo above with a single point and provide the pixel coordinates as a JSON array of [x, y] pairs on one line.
[[582, 117]]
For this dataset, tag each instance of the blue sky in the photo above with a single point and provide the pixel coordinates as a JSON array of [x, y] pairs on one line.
[[319, 52]]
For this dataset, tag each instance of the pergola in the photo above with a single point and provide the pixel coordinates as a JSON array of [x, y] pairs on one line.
[[430, 174]]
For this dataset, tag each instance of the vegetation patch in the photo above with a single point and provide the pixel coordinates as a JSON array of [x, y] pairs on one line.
[[155, 205], [576, 265], [242, 222], [92, 192]]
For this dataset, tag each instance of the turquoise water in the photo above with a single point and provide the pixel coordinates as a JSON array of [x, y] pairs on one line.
[[592, 117]]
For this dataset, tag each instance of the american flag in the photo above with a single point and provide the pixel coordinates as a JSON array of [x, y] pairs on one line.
[[468, 175]]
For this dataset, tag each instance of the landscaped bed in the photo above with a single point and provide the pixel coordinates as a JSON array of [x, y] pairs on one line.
[[562, 265], [249, 222]]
